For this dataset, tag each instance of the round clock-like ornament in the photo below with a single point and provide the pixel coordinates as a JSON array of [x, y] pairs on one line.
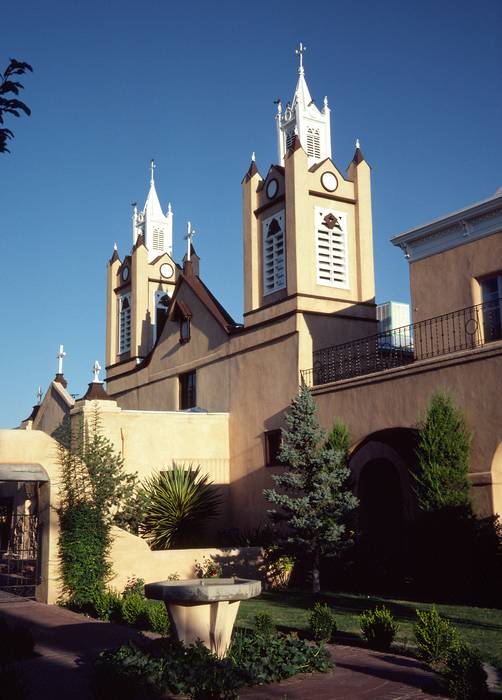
[[125, 274], [272, 188], [329, 181], [166, 270]]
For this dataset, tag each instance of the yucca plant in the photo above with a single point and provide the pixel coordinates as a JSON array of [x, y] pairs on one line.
[[180, 501]]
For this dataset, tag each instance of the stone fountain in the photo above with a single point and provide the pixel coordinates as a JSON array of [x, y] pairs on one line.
[[204, 608]]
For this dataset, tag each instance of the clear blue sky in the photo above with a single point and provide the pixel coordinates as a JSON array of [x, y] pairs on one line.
[[192, 84]]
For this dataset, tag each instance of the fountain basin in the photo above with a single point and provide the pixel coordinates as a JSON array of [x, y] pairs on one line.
[[204, 608]]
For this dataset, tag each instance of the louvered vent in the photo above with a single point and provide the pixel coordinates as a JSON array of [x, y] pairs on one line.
[[313, 143], [158, 239], [125, 323], [331, 245], [274, 259]]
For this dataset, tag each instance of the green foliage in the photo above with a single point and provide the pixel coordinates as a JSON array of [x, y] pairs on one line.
[[443, 455], [84, 542], [157, 618], [16, 642], [106, 605], [314, 499], [322, 622], [464, 674], [95, 492], [379, 628], [208, 568], [271, 659], [11, 105], [434, 635], [339, 441], [134, 585], [133, 610], [193, 671], [180, 503], [264, 625]]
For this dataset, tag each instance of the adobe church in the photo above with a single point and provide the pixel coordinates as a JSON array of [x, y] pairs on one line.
[[185, 382]]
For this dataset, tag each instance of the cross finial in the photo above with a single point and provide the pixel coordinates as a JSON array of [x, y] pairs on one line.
[[358, 145], [61, 354], [299, 52], [152, 168], [96, 369], [253, 157], [39, 395], [189, 235]]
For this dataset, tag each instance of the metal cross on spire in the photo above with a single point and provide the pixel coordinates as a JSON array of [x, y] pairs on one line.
[[39, 396], [299, 52], [61, 355], [188, 238], [96, 369], [152, 168]]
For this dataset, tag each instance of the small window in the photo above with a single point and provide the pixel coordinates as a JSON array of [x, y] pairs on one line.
[[273, 441], [290, 135], [331, 248], [158, 239], [491, 294], [184, 330], [161, 309], [188, 394]]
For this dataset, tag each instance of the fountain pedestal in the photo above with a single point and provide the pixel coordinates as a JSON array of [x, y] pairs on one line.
[[204, 609]]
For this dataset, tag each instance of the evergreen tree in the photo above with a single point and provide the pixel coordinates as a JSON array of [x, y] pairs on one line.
[[313, 498], [443, 454], [339, 441]]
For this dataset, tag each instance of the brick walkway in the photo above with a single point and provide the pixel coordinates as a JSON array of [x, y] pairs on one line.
[[66, 642]]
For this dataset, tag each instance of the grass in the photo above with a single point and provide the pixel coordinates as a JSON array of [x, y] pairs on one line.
[[482, 627]]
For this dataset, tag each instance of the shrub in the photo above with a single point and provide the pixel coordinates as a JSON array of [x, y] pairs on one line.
[[464, 673], [127, 673], [379, 628], [208, 568], [107, 605], [133, 610], [157, 618], [270, 659], [434, 635], [264, 625], [134, 585], [180, 501], [322, 623]]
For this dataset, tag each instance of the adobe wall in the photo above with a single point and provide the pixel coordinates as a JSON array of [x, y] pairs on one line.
[[397, 398], [447, 281]]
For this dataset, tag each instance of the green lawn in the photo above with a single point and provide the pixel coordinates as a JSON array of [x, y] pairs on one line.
[[482, 627]]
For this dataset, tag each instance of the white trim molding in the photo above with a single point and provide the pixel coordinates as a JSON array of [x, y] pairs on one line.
[[460, 227]]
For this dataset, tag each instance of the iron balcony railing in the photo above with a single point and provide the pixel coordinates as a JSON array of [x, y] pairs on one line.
[[464, 329]]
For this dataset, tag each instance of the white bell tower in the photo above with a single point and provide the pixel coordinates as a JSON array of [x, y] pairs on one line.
[[155, 226], [303, 118]]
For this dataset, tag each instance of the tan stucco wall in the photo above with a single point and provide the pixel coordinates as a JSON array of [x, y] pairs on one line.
[[398, 398], [35, 447], [448, 281], [131, 556]]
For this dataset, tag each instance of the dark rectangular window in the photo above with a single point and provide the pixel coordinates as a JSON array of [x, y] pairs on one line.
[[188, 394], [491, 290], [273, 439]]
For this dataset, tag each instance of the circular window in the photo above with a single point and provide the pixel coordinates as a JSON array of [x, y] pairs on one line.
[[329, 181], [272, 188], [166, 270], [125, 274]]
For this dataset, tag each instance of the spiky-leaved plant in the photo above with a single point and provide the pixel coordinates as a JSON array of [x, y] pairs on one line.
[[314, 498], [180, 501]]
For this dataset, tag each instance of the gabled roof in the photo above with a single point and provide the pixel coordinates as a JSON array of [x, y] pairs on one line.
[[206, 298]]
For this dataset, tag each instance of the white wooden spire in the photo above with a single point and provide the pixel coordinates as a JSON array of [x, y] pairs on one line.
[[155, 226]]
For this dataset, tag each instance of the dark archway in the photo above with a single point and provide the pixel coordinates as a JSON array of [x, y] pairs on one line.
[[381, 513]]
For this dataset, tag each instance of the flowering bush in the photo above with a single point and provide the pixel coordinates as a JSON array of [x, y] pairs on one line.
[[208, 568]]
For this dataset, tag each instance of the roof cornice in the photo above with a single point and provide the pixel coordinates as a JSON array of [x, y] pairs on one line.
[[458, 228]]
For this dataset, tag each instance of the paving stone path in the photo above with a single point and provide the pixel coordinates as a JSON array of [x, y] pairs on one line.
[[66, 642]]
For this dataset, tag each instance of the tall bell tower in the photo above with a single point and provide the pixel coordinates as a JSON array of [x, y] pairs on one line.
[[140, 285], [308, 240]]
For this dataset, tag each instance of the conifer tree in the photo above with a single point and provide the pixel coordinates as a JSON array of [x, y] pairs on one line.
[[313, 498], [443, 454]]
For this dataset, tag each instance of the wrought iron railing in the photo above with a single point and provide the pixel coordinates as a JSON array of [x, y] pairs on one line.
[[464, 329]]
